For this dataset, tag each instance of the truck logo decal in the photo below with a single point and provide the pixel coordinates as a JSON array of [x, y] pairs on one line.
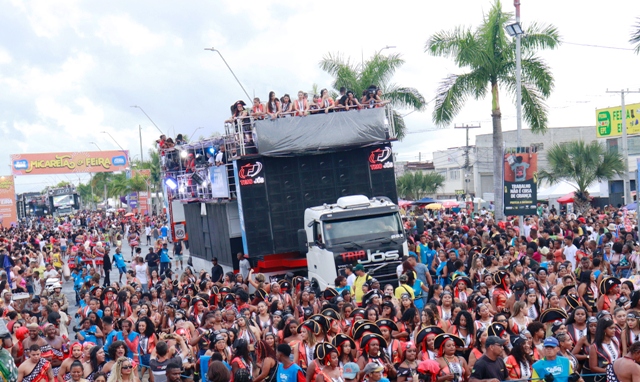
[[249, 172], [380, 159], [366, 257]]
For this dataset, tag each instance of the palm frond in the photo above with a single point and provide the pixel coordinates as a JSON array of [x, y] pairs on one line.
[[635, 37], [534, 109], [538, 37], [402, 97], [379, 69], [453, 93], [399, 125], [538, 74]]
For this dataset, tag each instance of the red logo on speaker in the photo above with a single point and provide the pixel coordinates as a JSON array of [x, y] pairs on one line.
[[380, 158], [249, 172]]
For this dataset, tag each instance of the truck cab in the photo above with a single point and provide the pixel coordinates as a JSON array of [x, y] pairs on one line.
[[355, 230]]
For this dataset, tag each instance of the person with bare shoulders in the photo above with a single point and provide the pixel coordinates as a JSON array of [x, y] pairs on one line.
[[55, 342], [35, 339], [301, 105], [626, 369], [35, 368], [64, 375]]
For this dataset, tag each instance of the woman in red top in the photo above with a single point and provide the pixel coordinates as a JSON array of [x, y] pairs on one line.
[[519, 361], [330, 370], [273, 105], [609, 293], [326, 102], [301, 106], [257, 111]]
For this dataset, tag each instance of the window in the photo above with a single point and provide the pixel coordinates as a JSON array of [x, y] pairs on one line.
[[454, 174], [443, 173]]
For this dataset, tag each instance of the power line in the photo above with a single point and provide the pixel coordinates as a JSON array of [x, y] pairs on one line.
[[596, 46]]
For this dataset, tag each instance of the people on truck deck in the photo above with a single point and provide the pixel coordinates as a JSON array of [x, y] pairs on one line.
[[301, 105], [273, 105], [257, 111], [314, 107], [286, 108], [352, 102], [326, 102], [237, 111]]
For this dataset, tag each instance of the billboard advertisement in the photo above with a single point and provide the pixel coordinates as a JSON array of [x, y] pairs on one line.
[[8, 210], [520, 180], [609, 121], [63, 200], [69, 162]]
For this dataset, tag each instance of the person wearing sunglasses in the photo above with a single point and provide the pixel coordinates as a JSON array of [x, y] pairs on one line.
[[123, 371]]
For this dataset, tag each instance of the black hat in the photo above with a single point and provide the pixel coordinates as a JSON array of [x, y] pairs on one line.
[[215, 289], [565, 290], [496, 329], [321, 320], [110, 289], [323, 349], [518, 286], [608, 283], [440, 340], [225, 290], [284, 285], [369, 295], [311, 325], [387, 323], [367, 327], [464, 279], [499, 276], [517, 340], [229, 298], [329, 293], [359, 312], [572, 301], [262, 294], [331, 313], [198, 298], [339, 339], [371, 336], [423, 333], [553, 314]]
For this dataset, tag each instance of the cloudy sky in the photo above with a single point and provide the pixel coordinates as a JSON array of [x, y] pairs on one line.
[[71, 69]]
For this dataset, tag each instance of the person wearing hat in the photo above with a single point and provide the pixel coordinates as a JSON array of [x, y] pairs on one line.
[[350, 371], [387, 327], [558, 367], [327, 355], [59, 297], [446, 346], [361, 278], [372, 372], [491, 367], [373, 353], [609, 292]]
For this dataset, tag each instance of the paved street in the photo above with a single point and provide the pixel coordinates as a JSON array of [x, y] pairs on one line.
[[67, 287]]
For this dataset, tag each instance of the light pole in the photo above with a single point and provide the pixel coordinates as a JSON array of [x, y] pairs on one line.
[[515, 30], [194, 131], [386, 47], [154, 124], [93, 143], [234, 75], [110, 136], [140, 132]]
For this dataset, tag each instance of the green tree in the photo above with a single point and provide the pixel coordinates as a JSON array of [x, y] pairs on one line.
[[377, 70], [488, 56], [416, 185], [583, 164], [635, 37]]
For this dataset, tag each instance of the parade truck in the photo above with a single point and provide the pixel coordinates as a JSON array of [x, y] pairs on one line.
[[307, 195]]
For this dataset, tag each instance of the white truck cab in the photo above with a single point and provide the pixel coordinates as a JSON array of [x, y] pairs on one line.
[[355, 230]]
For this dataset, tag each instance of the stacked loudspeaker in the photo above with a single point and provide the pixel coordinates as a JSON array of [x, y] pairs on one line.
[[273, 210]]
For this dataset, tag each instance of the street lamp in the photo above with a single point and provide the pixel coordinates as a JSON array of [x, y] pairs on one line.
[[110, 136], [93, 143], [234, 75], [514, 29], [386, 47], [154, 124], [194, 132]]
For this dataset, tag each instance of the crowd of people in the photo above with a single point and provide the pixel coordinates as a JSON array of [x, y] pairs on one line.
[[476, 300]]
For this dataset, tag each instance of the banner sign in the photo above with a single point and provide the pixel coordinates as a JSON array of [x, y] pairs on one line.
[[520, 180], [8, 210], [219, 181], [69, 162], [609, 121]]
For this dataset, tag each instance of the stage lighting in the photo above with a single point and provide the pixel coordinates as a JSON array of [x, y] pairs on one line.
[[183, 154], [171, 183], [198, 179]]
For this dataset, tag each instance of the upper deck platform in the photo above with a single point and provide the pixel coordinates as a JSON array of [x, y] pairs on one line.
[[304, 135]]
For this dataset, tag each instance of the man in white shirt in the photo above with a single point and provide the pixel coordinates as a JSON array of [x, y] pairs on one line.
[[569, 251], [244, 265], [351, 277], [526, 228], [147, 231]]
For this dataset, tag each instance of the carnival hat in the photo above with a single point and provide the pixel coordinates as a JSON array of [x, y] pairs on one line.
[[425, 332], [388, 324], [552, 315]]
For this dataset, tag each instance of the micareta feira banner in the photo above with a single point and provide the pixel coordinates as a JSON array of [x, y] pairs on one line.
[[520, 180], [69, 162], [8, 210]]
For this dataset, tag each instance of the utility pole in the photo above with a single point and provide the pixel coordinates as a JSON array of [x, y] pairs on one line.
[[467, 161], [625, 146], [140, 132]]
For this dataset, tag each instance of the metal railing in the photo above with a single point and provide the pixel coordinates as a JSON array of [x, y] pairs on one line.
[[240, 132]]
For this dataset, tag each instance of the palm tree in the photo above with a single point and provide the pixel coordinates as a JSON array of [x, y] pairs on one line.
[[118, 186], [635, 37], [583, 164], [378, 70], [416, 185], [488, 55]]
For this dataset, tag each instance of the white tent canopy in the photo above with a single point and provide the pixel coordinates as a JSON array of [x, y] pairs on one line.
[[596, 190]]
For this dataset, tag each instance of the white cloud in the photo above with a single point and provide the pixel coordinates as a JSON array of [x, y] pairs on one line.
[[135, 38]]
